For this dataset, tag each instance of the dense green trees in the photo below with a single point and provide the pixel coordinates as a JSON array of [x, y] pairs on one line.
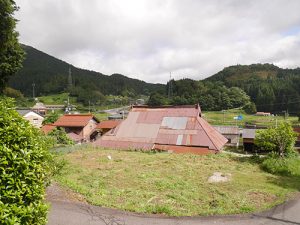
[[157, 99], [210, 95], [271, 88], [250, 108], [11, 53]]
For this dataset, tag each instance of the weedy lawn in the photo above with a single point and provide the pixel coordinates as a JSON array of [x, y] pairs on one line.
[[227, 118], [172, 184]]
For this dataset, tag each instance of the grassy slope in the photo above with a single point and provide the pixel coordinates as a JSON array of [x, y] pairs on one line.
[[226, 118], [172, 184]]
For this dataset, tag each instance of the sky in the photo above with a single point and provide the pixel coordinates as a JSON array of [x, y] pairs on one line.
[[149, 39]]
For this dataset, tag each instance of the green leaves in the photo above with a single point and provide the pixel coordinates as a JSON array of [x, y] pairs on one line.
[[24, 169], [280, 140], [11, 53], [60, 136]]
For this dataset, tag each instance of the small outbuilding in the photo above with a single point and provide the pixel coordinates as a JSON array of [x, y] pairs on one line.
[[248, 136], [232, 134]]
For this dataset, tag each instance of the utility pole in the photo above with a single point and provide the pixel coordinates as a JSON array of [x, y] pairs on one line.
[[223, 116], [70, 83], [286, 114], [33, 93]]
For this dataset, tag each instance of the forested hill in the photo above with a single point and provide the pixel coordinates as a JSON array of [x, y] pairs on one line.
[[50, 76], [270, 87]]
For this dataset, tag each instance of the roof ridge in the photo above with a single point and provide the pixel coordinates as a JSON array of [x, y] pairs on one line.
[[196, 106], [198, 119]]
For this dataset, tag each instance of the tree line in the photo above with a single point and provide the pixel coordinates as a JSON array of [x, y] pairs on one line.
[[211, 95], [271, 88]]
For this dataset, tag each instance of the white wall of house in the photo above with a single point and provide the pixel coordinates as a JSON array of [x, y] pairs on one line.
[[89, 128], [34, 118]]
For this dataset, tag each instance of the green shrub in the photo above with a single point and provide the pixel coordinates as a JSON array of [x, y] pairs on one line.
[[60, 136], [51, 118], [280, 139], [24, 169], [289, 166], [250, 108]]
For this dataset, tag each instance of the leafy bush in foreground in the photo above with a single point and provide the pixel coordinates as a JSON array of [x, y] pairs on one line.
[[24, 169]]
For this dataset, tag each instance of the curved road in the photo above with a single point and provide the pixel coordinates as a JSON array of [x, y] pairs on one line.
[[67, 210]]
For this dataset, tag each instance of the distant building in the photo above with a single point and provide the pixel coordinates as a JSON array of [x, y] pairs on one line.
[[232, 134], [263, 114], [43, 109], [39, 108], [140, 101], [33, 117], [248, 136], [179, 129]]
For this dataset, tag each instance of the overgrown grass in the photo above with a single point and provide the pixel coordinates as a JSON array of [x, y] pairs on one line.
[[288, 166], [172, 184], [101, 116], [226, 118], [57, 99]]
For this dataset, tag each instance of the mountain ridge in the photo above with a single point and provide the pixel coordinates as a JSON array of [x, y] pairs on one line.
[[50, 76]]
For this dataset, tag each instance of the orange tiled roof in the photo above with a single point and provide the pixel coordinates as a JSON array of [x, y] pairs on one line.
[[108, 124], [47, 128], [74, 120]]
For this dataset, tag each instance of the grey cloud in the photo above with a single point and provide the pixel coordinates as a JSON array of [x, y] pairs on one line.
[[146, 39]]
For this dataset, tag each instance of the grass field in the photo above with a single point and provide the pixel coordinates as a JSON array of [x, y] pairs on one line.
[[171, 184], [226, 118]]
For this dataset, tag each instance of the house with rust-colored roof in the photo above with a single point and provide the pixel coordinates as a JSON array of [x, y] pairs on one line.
[[177, 129], [47, 128], [106, 125], [79, 127]]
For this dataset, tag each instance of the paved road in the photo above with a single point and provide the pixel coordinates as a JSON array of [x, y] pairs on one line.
[[68, 211]]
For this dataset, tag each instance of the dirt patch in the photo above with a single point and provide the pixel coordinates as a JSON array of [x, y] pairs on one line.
[[261, 198], [57, 193]]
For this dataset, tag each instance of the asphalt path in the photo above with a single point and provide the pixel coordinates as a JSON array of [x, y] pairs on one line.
[[66, 209]]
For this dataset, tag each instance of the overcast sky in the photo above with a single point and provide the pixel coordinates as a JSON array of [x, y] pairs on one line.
[[148, 39]]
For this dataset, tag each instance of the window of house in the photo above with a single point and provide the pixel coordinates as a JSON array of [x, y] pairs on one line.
[[35, 121]]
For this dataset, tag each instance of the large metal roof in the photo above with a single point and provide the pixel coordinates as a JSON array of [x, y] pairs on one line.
[[172, 126]]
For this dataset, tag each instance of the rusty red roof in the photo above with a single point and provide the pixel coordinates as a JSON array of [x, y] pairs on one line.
[[172, 126], [47, 128], [74, 120], [108, 124]]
